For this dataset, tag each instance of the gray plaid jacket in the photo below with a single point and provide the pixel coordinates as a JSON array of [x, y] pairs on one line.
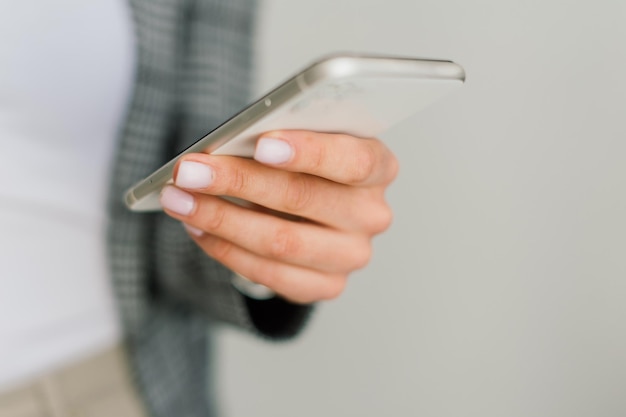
[[194, 66]]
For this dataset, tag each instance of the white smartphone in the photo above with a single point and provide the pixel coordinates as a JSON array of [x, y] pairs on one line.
[[354, 94]]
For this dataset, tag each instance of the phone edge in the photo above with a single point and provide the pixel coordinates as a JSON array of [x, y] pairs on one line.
[[334, 66]]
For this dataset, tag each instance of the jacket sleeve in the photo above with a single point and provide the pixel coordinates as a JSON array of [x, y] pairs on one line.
[[213, 81], [194, 70]]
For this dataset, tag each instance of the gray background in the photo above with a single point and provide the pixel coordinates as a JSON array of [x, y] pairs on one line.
[[500, 288]]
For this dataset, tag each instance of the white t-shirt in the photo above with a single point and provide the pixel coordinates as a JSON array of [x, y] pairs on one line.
[[66, 76]]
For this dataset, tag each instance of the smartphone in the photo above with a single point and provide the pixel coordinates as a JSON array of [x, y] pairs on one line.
[[355, 94]]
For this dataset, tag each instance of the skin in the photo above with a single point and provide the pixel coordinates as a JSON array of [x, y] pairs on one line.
[[313, 217]]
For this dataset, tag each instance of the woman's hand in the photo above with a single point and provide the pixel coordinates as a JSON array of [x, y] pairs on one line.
[[331, 188]]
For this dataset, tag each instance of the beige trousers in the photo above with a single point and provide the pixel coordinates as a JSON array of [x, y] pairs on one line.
[[96, 387]]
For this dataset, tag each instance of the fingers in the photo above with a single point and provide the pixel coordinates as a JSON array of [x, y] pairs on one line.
[[360, 209], [300, 285], [340, 158], [332, 186], [299, 244]]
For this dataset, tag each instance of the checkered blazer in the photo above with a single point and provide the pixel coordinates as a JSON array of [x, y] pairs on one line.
[[194, 66]]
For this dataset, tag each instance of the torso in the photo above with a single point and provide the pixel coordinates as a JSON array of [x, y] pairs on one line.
[[65, 82]]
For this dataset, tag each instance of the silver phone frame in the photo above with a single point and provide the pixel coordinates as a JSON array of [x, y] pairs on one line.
[[334, 67]]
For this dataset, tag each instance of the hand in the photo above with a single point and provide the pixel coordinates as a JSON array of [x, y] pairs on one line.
[[331, 186]]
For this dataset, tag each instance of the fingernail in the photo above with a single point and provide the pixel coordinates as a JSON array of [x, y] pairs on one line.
[[193, 230], [273, 151], [194, 175], [177, 200]]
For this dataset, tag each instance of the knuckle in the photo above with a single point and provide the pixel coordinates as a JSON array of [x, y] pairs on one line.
[[220, 249], [381, 219], [362, 255], [316, 156], [335, 287], [215, 219], [238, 182], [284, 244], [364, 165], [298, 194]]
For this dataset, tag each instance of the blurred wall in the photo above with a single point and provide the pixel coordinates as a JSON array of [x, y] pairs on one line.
[[500, 290]]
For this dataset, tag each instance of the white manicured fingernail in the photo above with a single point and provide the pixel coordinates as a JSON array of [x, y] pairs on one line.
[[193, 230], [177, 200], [273, 151], [194, 175]]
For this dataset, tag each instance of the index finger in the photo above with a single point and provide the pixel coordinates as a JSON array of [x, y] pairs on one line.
[[337, 157]]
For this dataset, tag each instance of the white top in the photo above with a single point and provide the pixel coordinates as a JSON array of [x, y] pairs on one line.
[[65, 81]]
